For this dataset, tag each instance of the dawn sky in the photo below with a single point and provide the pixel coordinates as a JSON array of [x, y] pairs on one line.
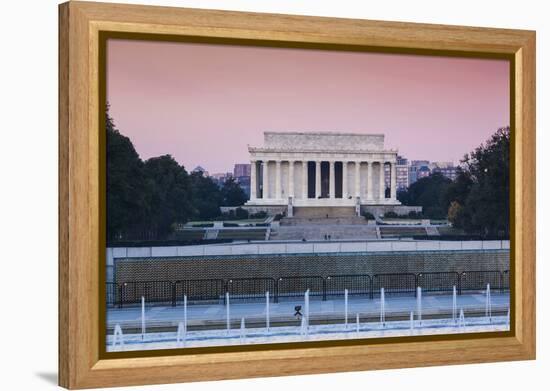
[[204, 103]]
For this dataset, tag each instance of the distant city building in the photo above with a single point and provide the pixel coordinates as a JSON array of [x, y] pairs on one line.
[[402, 176], [449, 172], [220, 178], [201, 170], [402, 173], [241, 170], [423, 172], [414, 166]]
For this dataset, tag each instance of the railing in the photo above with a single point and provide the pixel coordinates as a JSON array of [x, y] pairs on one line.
[[439, 281], [394, 283], [157, 292], [296, 286], [212, 290], [478, 280], [286, 287], [251, 288], [356, 284], [505, 286]]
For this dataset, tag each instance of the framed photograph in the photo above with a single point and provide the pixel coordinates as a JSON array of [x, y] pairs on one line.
[[246, 195]]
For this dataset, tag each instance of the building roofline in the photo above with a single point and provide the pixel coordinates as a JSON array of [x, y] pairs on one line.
[[328, 133]]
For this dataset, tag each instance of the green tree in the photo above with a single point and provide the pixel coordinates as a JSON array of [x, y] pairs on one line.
[[487, 205], [428, 192], [170, 189], [127, 192], [232, 193], [206, 195]]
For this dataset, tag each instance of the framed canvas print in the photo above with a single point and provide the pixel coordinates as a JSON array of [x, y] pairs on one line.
[[295, 194]]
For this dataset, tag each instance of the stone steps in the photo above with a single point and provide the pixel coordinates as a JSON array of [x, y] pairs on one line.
[[318, 232], [324, 212], [351, 220]]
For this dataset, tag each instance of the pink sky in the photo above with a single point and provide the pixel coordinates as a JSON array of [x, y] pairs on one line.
[[204, 103]]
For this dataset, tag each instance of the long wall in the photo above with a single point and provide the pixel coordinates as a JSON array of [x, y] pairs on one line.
[[388, 257]]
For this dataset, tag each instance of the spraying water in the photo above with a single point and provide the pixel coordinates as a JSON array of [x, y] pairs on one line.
[[419, 305], [382, 308], [508, 318], [118, 336], [306, 309], [303, 327], [488, 303], [454, 304], [461, 319], [181, 337], [142, 317], [243, 330], [411, 321], [357, 324], [267, 312], [227, 313], [185, 312], [346, 307]]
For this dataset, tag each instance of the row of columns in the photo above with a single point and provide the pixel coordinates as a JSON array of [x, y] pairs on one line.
[[332, 182]]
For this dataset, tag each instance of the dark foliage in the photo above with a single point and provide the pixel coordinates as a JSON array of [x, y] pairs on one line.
[[430, 193], [147, 200], [479, 200]]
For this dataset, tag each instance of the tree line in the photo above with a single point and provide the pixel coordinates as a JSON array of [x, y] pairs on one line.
[[478, 200], [154, 195]]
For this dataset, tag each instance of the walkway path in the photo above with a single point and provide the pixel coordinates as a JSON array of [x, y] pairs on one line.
[[284, 311]]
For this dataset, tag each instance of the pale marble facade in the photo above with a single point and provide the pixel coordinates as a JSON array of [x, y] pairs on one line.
[[321, 169]]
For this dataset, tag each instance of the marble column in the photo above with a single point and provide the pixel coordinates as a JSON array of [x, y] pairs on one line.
[[345, 180], [278, 179], [393, 186], [370, 189], [382, 185], [253, 180], [265, 180], [332, 184], [304, 180], [357, 179], [318, 179], [291, 178]]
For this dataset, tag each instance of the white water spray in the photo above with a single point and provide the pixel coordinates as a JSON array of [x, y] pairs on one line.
[[461, 319], [382, 308], [488, 308], [419, 305], [454, 304], [306, 310], [185, 312], [346, 307], [243, 330], [357, 324], [181, 336], [303, 327], [118, 337], [267, 312], [227, 313], [142, 317]]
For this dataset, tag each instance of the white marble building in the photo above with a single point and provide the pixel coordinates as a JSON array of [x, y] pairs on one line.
[[323, 169]]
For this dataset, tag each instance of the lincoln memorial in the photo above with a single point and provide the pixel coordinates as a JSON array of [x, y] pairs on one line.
[[321, 169]]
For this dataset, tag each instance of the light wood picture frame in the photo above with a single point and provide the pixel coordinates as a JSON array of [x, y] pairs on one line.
[[82, 29]]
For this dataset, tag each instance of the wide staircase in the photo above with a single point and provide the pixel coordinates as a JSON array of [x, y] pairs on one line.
[[350, 220], [323, 232], [324, 212]]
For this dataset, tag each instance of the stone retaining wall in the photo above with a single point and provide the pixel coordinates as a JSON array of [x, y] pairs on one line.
[[275, 266]]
